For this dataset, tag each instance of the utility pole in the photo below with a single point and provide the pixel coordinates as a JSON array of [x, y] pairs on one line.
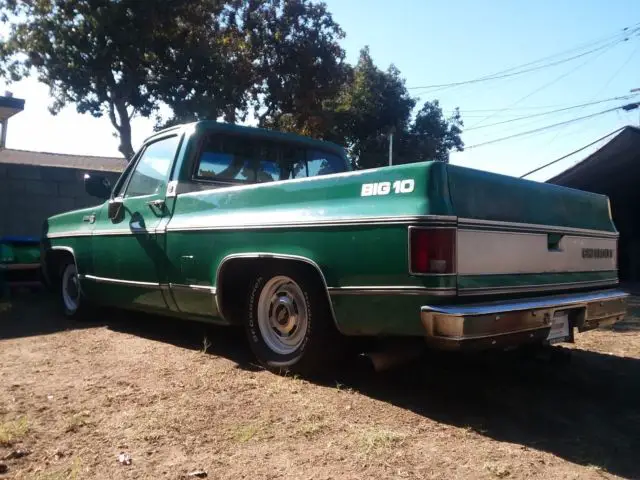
[[390, 149], [636, 90]]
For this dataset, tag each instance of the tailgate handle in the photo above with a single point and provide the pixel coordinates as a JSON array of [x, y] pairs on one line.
[[553, 242]]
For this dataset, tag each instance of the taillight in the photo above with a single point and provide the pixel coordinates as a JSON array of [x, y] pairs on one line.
[[432, 250]]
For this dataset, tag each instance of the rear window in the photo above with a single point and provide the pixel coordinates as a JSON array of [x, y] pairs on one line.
[[323, 163], [235, 159]]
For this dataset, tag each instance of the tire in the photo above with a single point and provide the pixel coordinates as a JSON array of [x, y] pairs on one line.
[[73, 302], [289, 323]]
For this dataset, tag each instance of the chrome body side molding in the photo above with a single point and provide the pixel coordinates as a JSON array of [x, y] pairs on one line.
[[392, 290], [536, 288], [117, 281]]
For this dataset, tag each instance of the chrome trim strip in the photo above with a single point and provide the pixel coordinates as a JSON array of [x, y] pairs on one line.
[[556, 301], [534, 228], [392, 290], [104, 233], [273, 256], [435, 220], [117, 281], [535, 288], [71, 233], [197, 288]]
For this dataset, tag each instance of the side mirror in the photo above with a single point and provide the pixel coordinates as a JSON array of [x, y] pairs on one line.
[[97, 186], [115, 209]]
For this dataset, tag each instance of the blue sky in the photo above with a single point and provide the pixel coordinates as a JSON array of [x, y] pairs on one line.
[[442, 42]]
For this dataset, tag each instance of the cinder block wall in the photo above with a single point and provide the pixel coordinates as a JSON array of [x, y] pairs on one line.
[[31, 193]]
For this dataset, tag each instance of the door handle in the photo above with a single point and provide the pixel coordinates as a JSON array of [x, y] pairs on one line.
[[89, 218], [159, 204]]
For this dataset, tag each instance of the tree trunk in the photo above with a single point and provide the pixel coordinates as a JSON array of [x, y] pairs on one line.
[[125, 146], [123, 126], [124, 131]]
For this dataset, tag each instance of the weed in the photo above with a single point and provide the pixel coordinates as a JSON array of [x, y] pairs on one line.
[[13, 431], [312, 427], [69, 473], [78, 420], [244, 433], [379, 439], [206, 344]]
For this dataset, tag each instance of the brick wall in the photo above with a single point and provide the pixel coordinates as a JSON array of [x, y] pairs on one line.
[[31, 193]]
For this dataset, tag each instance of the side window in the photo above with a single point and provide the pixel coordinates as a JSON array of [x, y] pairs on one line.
[[118, 188], [236, 159], [152, 169], [226, 159], [323, 163]]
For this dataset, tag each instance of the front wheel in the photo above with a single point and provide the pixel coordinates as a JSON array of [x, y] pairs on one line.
[[74, 305], [289, 323]]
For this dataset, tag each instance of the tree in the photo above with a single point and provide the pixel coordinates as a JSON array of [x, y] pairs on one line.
[[299, 61], [121, 58], [431, 136], [374, 104], [291, 64], [370, 106]]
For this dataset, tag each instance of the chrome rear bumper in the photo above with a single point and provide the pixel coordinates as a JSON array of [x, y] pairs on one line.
[[511, 322]]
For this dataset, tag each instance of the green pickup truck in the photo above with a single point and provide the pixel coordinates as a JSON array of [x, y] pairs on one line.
[[274, 232]]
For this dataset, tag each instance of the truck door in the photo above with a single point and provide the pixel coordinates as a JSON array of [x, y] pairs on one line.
[[129, 257]]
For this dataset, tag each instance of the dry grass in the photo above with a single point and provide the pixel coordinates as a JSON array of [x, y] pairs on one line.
[[373, 440], [180, 397], [12, 431]]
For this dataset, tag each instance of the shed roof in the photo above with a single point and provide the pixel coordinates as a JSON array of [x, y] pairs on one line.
[[9, 106], [614, 166], [26, 157]]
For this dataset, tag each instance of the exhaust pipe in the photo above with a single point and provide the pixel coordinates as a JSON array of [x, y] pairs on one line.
[[394, 357]]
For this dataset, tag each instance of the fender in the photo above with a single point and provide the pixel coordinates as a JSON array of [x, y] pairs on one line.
[[276, 256]]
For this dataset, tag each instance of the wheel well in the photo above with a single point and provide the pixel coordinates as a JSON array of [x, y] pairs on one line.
[[54, 261], [235, 276]]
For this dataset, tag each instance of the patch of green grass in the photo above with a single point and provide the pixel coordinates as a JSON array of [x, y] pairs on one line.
[[375, 439], [312, 427], [69, 473], [244, 433], [77, 421], [11, 432]]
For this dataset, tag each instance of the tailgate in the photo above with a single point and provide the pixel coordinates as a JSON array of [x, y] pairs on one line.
[[522, 236]]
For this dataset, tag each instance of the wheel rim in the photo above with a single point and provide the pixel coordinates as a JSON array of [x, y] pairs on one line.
[[70, 288], [282, 315]]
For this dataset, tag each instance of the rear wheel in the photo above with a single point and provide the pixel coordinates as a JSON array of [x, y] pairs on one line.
[[74, 305], [289, 323]]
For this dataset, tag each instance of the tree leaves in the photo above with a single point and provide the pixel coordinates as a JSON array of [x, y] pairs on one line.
[[279, 61]]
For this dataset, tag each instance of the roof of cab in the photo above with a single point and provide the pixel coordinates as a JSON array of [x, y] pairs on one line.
[[211, 125]]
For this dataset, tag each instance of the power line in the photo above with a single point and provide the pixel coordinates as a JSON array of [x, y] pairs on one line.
[[548, 84], [541, 114], [627, 107], [507, 75], [572, 153], [624, 33], [604, 87]]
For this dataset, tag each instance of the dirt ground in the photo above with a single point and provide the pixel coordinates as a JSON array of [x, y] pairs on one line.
[[181, 397]]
